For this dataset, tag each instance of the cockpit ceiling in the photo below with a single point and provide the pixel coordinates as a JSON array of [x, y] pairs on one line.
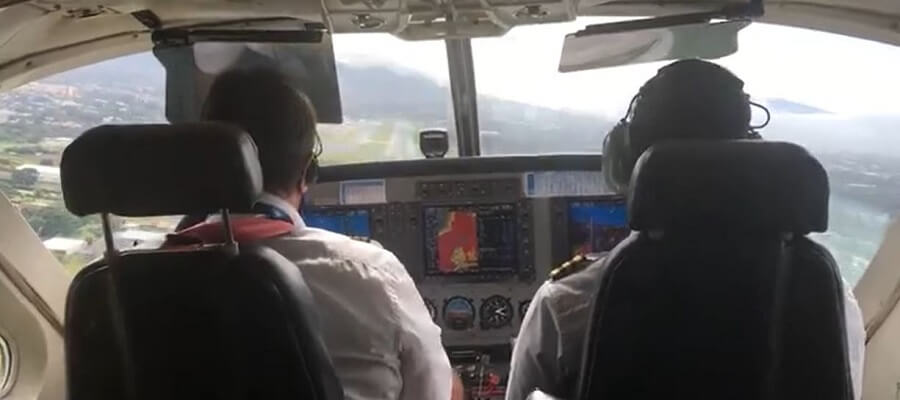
[[41, 37]]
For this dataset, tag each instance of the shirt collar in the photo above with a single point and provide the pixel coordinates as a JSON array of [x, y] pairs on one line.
[[284, 207]]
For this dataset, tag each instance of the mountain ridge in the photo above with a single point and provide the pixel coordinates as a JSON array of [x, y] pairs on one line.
[[792, 107], [373, 92]]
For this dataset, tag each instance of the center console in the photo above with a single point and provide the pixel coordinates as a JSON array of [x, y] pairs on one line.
[[478, 245]]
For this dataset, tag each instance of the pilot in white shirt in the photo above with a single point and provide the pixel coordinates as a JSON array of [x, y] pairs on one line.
[[378, 332], [548, 351], [375, 325]]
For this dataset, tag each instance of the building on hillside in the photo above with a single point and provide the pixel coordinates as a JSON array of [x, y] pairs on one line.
[[63, 246], [46, 173], [136, 238], [129, 239], [60, 141]]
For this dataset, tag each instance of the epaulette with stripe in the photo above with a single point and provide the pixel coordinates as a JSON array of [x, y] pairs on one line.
[[572, 266]]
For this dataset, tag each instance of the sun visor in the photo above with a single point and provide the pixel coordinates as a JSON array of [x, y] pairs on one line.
[[625, 43], [191, 69]]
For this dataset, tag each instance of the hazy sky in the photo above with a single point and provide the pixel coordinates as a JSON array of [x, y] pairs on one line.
[[840, 74]]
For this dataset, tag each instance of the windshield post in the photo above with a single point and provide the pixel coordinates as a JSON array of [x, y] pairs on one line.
[[462, 88]]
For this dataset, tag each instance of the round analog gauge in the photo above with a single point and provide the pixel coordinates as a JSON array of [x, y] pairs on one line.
[[496, 312], [523, 308], [459, 313], [432, 310]]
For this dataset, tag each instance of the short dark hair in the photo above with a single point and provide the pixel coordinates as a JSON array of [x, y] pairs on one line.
[[280, 119], [689, 99]]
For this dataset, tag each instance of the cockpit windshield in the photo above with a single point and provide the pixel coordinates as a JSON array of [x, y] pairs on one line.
[[527, 106], [390, 90], [833, 94], [829, 93]]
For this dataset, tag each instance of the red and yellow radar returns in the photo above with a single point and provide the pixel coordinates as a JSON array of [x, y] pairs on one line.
[[458, 242]]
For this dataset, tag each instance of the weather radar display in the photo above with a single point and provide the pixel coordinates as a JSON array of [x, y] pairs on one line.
[[470, 240]]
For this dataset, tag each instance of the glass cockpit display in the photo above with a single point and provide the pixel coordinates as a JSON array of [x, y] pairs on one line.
[[596, 225], [350, 222], [470, 240]]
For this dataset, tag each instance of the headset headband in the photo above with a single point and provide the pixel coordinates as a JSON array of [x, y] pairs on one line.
[[619, 154]]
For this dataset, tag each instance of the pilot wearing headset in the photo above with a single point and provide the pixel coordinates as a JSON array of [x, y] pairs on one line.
[[688, 99], [376, 328]]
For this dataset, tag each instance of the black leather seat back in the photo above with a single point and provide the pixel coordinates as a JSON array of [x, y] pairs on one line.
[[694, 305], [203, 322]]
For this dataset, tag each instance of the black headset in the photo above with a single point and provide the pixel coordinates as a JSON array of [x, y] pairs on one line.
[[618, 155], [311, 174]]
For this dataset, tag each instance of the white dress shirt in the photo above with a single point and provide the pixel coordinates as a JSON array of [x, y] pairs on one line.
[[375, 325], [548, 350]]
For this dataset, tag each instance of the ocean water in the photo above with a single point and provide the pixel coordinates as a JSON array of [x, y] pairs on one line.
[[854, 234]]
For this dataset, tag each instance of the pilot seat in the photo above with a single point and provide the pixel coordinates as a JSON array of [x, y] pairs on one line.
[[227, 320], [718, 293]]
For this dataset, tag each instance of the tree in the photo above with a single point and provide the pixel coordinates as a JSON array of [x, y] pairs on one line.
[[49, 222], [25, 178], [93, 231], [73, 263], [5, 188]]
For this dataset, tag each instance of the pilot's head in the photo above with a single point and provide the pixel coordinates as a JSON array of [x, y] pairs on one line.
[[688, 99], [280, 119]]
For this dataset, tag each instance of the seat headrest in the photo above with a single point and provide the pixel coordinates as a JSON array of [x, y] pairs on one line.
[[152, 170], [732, 185]]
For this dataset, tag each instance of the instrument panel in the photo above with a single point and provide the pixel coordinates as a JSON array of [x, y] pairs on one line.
[[477, 237]]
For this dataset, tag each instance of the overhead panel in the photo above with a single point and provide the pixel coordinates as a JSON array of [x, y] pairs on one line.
[[41, 37], [424, 20]]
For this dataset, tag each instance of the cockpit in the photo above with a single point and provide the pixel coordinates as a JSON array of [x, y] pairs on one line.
[[463, 137]]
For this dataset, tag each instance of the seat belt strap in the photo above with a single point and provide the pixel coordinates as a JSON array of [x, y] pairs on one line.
[[245, 230]]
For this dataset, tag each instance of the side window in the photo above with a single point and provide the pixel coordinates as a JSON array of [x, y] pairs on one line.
[[863, 201], [39, 119], [849, 124]]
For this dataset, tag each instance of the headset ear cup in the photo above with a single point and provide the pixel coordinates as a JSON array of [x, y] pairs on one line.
[[616, 168], [312, 172]]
